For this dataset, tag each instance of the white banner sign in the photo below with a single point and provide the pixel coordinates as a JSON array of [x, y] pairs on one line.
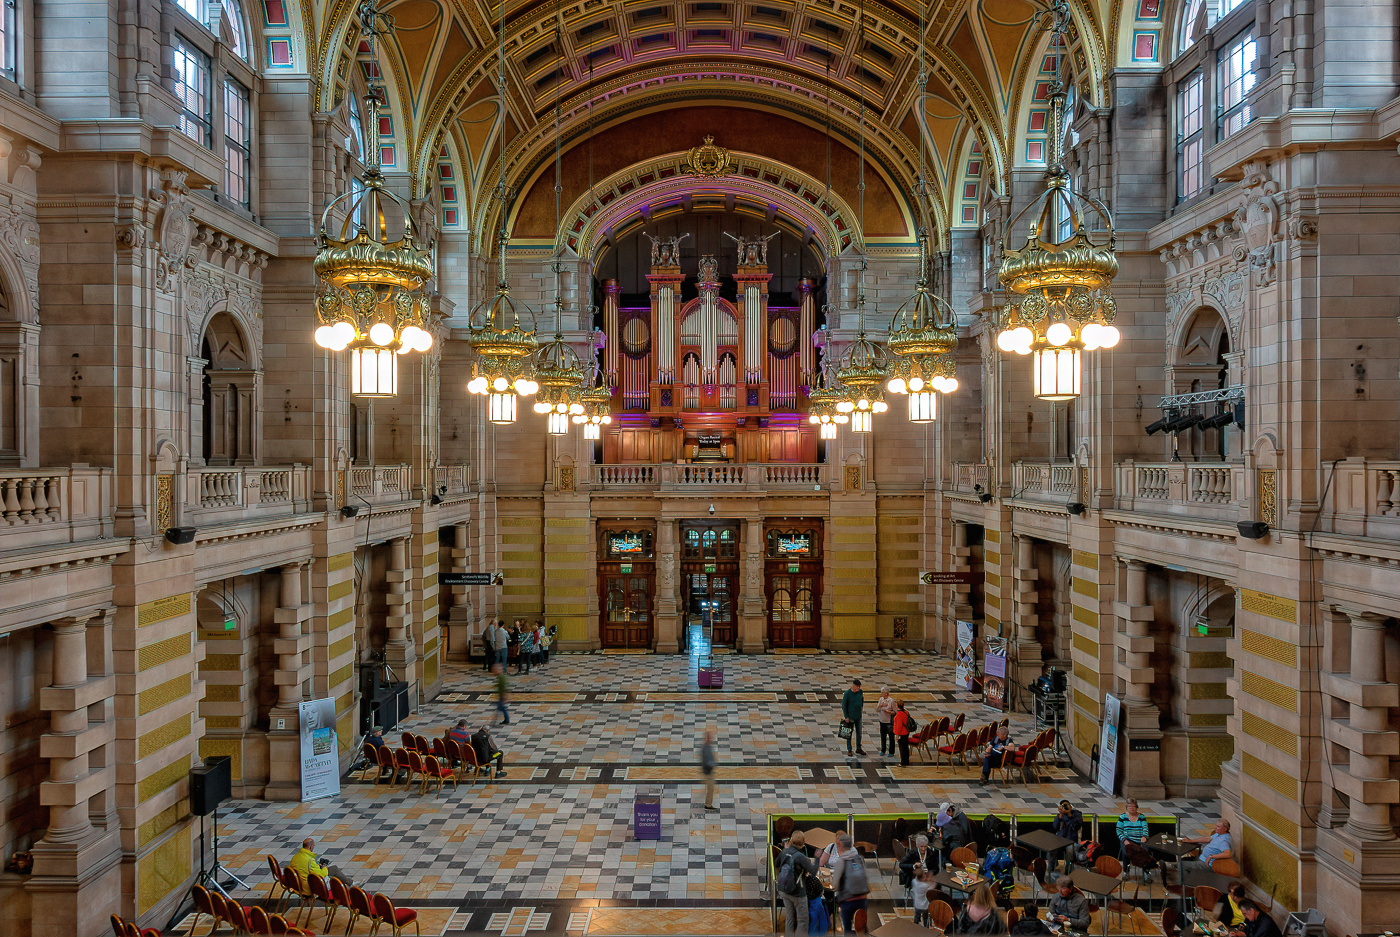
[[1109, 740], [966, 666], [320, 751]]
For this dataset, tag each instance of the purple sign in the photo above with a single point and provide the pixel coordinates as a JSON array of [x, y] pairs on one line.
[[994, 681], [646, 816]]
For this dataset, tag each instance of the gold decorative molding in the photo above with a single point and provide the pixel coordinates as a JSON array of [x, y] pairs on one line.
[[158, 610], [708, 161], [161, 871], [1086, 559], [853, 478], [1085, 587], [152, 698], [221, 662], [1268, 733], [1271, 606], [165, 503], [153, 784], [162, 652], [163, 736], [340, 676], [339, 561], [1269, 775], [1269, 647], [1270, 691], [1268, 497], [566, 478]]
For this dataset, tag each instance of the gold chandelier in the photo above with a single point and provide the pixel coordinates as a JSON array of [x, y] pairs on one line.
[[597, 407], [922, 335], [504, 369], [1059, 283], [862, 371], [371, 269], [559, 374], [821, 408]]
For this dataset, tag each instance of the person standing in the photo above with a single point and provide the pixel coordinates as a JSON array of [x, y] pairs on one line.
[[852, 702], [488, 646], [1067, 825], [707, 768], [849, 882], [527, 650], [502, 692], [544, 643], [795, 904], [901, 731], [885, 709], [500, 642]]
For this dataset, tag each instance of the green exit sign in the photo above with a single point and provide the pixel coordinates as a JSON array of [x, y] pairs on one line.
[[711, 567], [626, 567], [230, 624], [794, 568]]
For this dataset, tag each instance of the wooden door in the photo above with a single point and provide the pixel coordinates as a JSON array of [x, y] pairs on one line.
[[626, 610], [793, 620]]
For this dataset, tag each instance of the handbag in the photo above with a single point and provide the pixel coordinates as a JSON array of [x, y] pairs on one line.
[[846, 729]]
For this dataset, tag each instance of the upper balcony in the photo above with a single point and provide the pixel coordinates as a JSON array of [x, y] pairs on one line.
[[50, 506], [728, 478]]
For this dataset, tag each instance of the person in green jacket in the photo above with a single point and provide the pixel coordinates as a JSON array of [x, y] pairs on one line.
[[852, 702]]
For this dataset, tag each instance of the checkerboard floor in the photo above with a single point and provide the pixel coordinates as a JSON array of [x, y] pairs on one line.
[[544, 847]]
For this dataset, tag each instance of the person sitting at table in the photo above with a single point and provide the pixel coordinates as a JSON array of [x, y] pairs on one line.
[[919, 854], [1066, 825], [957, 831], [1131, 828], [795, 905], [979, 916], [991, 755], [1215, 846], [1228, 911], [1030, 924], [1069, 907], [1256, 922]]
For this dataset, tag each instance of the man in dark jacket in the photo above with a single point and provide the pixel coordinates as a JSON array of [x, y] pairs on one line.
[[795, 904], [487, 751], [1256, 922], [852, 702], [1067, 824], [957, 831], [1069, 907]]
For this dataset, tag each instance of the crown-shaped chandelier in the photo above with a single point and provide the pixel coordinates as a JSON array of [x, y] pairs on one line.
[[504, 369], [822, 400], [597, 406], [372, 267], [1061, 303], [922, 335], [559, 374]]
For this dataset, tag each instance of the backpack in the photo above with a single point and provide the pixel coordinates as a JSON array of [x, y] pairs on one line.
[[1000, 869], [996, 830], [787, 878], [1086, 852], [911, 725], [854, 881]]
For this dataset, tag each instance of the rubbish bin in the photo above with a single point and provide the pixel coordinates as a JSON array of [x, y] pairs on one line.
[[646, 816]]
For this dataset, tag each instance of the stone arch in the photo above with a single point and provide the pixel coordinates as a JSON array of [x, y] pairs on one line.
[[1201, 337], [224, 403], [19, 357], [213, 607]]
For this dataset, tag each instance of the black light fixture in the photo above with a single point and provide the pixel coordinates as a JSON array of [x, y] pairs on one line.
[[180, 535], [442, 489], [981, 495], [349, 510], [435, 499], [1223, 418], [1158, 426], [1076, 508], [1254, 530], [1184, 423]]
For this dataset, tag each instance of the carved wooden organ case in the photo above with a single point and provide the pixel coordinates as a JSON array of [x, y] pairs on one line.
[[709, 379]]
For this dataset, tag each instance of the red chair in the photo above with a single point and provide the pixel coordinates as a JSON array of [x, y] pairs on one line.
[[1026, 760], [401, 763], [237, 917], [371, 755], [440, 749], [407, 738], [293, 885], [433, 770], [360, 906], [118, 925], [384, 756], [278, 889], [957, 747], [957, 725], [203, 905], [258, 922], [415, 767], [277, 924], [469, 762], [396, 918], [421, 746], [340, 898], [944, 730], [318, 890]]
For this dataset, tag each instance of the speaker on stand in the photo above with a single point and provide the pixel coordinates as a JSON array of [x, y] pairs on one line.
[[211, 783]]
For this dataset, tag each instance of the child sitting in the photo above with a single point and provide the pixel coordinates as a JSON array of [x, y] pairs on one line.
[[920, 884]]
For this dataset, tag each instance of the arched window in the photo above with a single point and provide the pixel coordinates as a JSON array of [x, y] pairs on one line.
[[356, 142], [212, 52]]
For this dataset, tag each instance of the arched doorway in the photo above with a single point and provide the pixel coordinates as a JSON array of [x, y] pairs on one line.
[[228, 414]]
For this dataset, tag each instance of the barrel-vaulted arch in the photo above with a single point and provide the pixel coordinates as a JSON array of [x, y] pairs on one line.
[[579, 51], [760, 140], [760, 186]]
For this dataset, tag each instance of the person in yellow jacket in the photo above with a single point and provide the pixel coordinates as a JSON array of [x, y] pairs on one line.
[[304, 863]]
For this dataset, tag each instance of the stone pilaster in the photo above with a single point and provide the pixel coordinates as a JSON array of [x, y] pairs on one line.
[[461, 626], [753, 613], [1029, 656], [292, 644], [668, 623], [1142, 770], [1365, 733], [399, 648]]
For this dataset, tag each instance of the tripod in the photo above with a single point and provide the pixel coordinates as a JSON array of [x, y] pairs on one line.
[[210, 877]]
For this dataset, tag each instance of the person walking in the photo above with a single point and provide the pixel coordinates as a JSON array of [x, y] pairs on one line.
[[885, 709], [707, 768], [795, 904], [901, 732], [502, 693], [852, 702]]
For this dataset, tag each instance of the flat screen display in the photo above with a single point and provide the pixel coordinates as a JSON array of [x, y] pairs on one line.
[[797, 543], [626, 543]]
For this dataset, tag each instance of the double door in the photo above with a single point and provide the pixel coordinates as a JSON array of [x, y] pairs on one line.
[[794, 618], [709, 599], [626, 609]]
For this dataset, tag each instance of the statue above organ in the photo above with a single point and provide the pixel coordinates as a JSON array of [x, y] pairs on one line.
[[702, 377]]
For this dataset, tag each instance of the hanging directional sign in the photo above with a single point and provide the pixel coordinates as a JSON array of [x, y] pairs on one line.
[[943, 578], [469, 579]]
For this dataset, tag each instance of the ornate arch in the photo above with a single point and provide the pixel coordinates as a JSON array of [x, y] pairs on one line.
[[810, 210]]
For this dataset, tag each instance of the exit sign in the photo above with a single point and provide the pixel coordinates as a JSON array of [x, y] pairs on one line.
[[711, 567], [626, 567], [230, 624], [794, 568]]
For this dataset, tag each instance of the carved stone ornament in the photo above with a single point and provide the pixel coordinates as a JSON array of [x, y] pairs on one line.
[[708, 161], [19, 237], [174, 231], [1258, 222]]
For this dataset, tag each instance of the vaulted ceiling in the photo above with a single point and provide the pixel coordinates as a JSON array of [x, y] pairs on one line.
[[605, 63]]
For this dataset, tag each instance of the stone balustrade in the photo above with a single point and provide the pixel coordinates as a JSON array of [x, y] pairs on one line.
[[380, 484], [54, 505], [217, 491], [1364, 498], [1207, 490], [720, 477], [452, 479], [966, 475], [1043, 481]]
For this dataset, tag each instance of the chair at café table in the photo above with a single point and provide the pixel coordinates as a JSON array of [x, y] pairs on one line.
[[962, 856], [1169, 921], [1226, 867], [1206, 897], [940, 914]]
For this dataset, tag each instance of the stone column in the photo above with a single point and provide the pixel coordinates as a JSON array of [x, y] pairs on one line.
[[1029, 655], [753, 614], [195, 371], [667, 615], [1367, 781], [460, 630], [399, 648], [960, 607], [221, 403], [1142, 770], [245, 419], [292, 645], [68, 760]]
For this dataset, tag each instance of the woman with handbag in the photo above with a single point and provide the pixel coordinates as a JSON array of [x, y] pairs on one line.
[[901, 732]]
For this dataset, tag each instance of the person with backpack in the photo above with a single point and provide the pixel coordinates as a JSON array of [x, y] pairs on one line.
[[849, 882], [791, 882], [901, 731]]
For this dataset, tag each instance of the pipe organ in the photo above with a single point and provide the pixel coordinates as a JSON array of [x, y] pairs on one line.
[[709, 379]]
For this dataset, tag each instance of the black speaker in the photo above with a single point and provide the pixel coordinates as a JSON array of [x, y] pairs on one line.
[[181, 534], [1252, 529], [210, 785]]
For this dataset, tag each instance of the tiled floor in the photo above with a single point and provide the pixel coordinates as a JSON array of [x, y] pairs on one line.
[[550, 848]]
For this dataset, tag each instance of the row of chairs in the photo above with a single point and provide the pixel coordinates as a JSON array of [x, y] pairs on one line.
[[934, 731], [123, 928], [334, 895], [445, 760], [243, 919]]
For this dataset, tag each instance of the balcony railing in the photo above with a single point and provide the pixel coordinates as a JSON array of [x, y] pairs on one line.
[[968, 474], [1044, 481], [455, 478], [1366, 498], [1195, 489], [233, 490], [690, 477], [380, 484], [54, 505]]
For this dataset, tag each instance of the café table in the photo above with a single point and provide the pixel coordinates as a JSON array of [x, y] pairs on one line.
[[1100, 886], [901, 927], [1164, 844], [950, 882], [1044, 842], [819, 838]]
